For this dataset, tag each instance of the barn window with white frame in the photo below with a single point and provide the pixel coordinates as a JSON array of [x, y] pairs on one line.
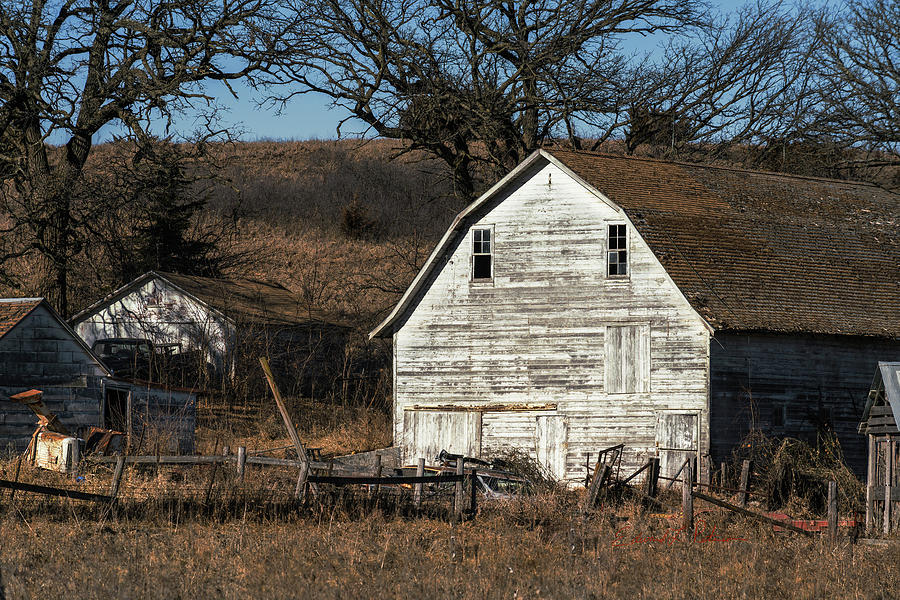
[[482, 254], [617, 253]]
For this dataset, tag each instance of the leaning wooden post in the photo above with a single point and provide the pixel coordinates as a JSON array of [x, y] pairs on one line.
[[888, 484], [458, 501], [832, 511], [745, 484], [289, 425], [117, 478], [241, 462], [687, 496], [420, 472]]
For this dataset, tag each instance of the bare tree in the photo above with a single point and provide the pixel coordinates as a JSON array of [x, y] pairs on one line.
[[71, 67], [860, 60], [746, 79], [478, 83]]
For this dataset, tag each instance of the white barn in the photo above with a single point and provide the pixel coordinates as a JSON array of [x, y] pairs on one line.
[[588, 300], [226, 321]]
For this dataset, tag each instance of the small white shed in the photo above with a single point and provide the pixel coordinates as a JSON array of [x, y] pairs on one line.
[[222, 319]]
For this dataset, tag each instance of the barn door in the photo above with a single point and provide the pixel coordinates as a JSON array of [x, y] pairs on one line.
[[677, 439], [427, 432], [551, 443]]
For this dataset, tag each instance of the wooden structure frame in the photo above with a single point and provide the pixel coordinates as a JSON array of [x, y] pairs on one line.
[[879, 424]]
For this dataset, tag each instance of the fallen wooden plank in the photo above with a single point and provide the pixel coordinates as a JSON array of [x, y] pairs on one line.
[[50, 491], [218, 459], [750, 513], [370, 480]]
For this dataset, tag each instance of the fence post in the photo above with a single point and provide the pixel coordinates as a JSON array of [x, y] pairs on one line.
[[473, 502], [745, 484], [722, 474], [587, 469], [832, 511], [687, 497], [117, 477], [651, 484], [458, 501], [377, 472], [300, 490], [241, 462], [420, 472]]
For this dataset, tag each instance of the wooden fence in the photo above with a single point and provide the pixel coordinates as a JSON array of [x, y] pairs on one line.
[[312, 474]]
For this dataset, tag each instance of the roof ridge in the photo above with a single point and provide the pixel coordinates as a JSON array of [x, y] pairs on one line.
[[684, 163], [20, 300]]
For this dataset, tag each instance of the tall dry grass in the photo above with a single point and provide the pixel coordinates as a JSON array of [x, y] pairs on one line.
[[536, 548]]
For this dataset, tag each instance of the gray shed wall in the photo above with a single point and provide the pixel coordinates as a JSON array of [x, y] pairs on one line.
[[753, 376], [40, 353]]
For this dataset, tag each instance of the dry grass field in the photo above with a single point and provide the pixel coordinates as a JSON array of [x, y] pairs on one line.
[[194, 532], [534, 548]]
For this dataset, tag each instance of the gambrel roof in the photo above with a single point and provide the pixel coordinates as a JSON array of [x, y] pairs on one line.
[[750, 250]]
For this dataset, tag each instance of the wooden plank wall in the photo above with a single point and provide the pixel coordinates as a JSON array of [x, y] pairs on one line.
[[752, 376], [536, 334], [39, 353]]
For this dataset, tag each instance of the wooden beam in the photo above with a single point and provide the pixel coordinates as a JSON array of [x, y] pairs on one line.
[[288, 424], [888, 484], [870, 484], [745, 483], [832, 511], [750, 513], [420, 472], [50, 491], [687, 498]]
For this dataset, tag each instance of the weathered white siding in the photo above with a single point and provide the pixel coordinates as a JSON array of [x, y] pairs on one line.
[[161, 313], [532, 342]]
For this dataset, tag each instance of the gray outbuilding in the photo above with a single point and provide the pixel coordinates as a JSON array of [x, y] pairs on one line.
[[38, 350]]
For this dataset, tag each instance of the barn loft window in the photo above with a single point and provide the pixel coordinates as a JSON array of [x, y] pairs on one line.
[[617, 254], [627, 359], [482, 257]]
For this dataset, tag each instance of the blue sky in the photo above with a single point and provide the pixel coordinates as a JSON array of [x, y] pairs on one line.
[[307, 116]]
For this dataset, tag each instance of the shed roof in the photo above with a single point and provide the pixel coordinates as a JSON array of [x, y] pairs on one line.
[[885, 389], [238, 300], [750, 250], [13, 310]]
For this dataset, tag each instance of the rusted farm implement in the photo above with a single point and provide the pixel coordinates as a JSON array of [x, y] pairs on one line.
[[601, 482]]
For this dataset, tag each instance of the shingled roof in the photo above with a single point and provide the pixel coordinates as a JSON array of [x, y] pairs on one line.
[[763, 251], [239, 300], [247, 300], [751, 250], [13, 310]]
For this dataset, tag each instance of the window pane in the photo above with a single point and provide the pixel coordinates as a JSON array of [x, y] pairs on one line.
[[477, 235], [481, 266], [486, 233]]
